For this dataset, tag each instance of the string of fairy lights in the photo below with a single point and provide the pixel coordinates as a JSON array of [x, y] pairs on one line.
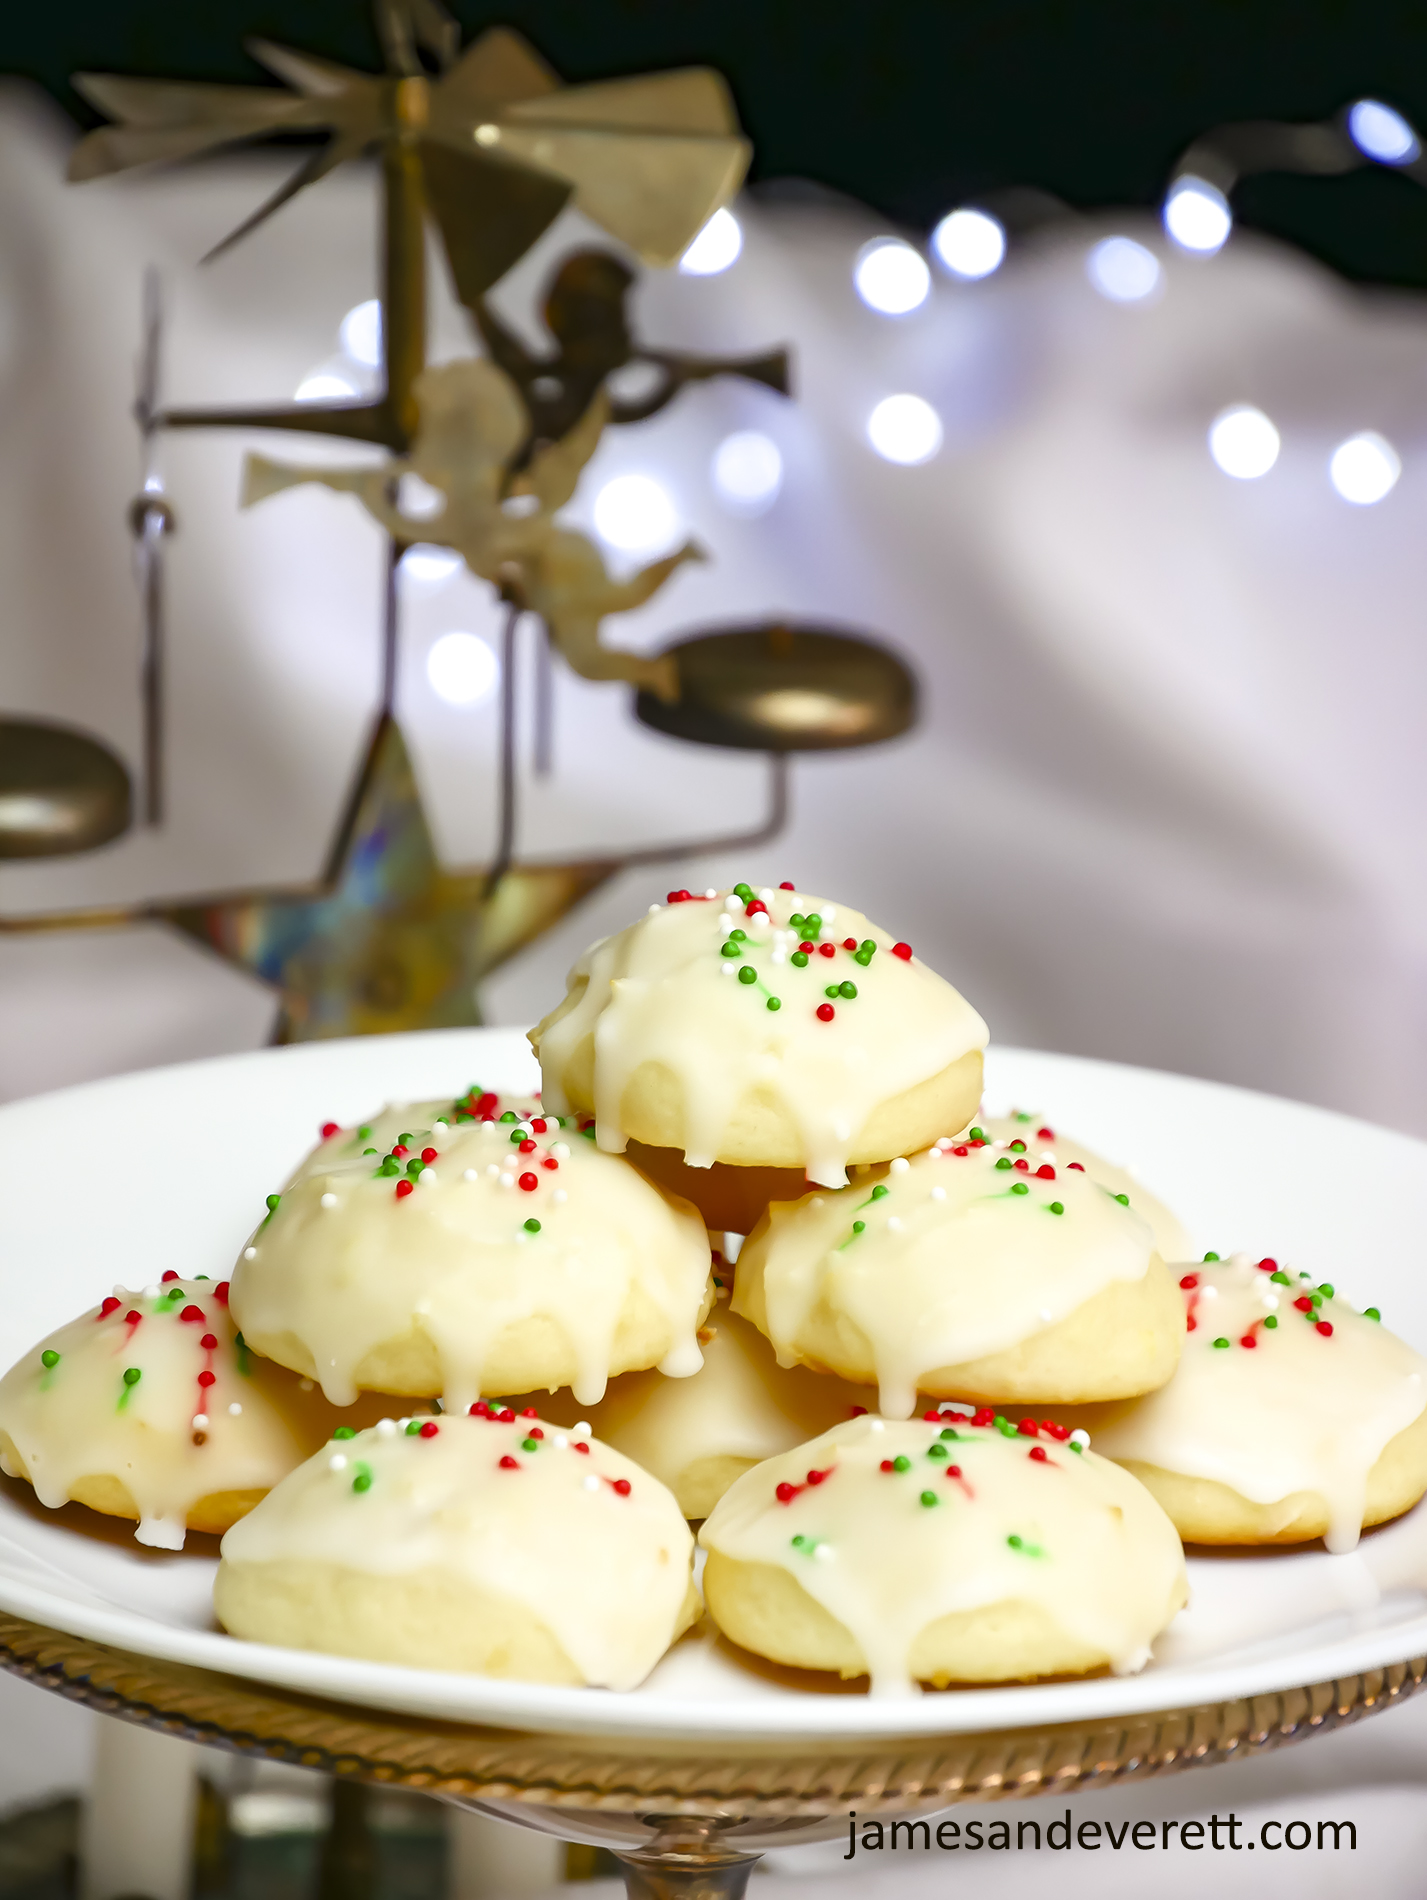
[[634, 514]]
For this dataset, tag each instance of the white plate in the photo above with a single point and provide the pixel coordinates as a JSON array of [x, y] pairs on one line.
[[120, 1180]]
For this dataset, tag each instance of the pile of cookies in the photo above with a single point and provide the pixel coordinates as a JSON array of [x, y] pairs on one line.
[[750, 1258]]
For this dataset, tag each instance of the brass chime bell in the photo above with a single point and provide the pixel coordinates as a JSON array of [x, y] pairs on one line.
[[60, 791]]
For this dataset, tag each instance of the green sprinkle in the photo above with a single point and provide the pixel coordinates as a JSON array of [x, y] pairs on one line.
[[530, 1444], [738, 936], [49, 1360], [510, 1116], [929, 1498], [1014, 1541], [849, 990], [1211, 1256], [1315, 1299], [200, 1276], [800, 958], [867, 949], [799, 1541], [369, 1151], [405, 1139], [1371, 1312], [532, 1226], [588, 1133], [747, 973], [1057, 1207], [859, 1227], [1123, 1199], [345, 1431], [795, 920], [132, 1376], [1326, 1290], [390, 1166], [832, 990], [901, 1464], [936, 1451], [745, 891], [880, 1192], [813, 922], [1019, 1187], [413, 1426], [1003, 1162], [949, 1433], [1074, 1446], [1280, 1279], [975, 1134], [415, 1165], [1027, 1550], [364, 1131], [272, 1202], [864, 957], [1221, 1344], [363, 1479], [730, 949], [1018, 1147], [1005, 1427], [1022, 1116], [1271, 1323], [773, 1002]]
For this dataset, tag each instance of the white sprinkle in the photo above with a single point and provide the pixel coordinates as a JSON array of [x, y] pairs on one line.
[[560, 1441], [725, 923], [828, 913], [120, 1292], [561, 1150], [329, 1200], [1081, 1438], [507, 1180], [337, 1462], [305, 1385], [767, 896], [559, 1197], [249, 1253], [938, 1193], [710, 892], [1210, 1292], [153, 1292], [493, 1171], [592, 1483], [824, 1552], [440, 1123], [235, 1410], [428, 1177], [894, 1226], [779, 954], [653, 910], [729, 968], [471, 1174], [900, 1165], [582, 1430], [876, 1425], [733, 904], [200, 1421]]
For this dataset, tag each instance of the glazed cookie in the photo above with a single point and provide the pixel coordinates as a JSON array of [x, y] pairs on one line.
[[967, 1273], [492, 1543], [475, 1256], [769, 1031], [149, 1407], [697, 1435], [943, 1550], [1291, 1415], [411, 1123], [1044, 1143]]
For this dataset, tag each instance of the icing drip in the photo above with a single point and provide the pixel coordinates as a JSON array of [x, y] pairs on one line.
[[151, 1389], [735, 1002], [911, 1522], [1046, 1143], [961, 1252], [461, 1232], [590, 1544], [1298, 1409]]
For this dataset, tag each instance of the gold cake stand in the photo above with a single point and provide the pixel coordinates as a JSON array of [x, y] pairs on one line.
[[687, 1818]]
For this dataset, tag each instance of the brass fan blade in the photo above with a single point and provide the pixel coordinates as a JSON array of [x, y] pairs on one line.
[[305, 73], [488, 213], [181, 102], [784, 688], [334, 153], [654, 191], [60, 791], [496, 70], [692, 100]]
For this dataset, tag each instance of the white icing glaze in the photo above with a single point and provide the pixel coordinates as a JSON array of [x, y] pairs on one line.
[[1093, 1550], [386, 1127], [169, 1437], [452, 1254], [1046, 1143], [658, 992], [605, 1570], [1299, 1411], [741, 1405], [960, 1255]]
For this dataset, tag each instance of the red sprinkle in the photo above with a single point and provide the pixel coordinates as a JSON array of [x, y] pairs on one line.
[[1038, 1452], [526, 1147], [111, 1305], [209, 1341], [540, 1124], [786, 1492], [902, 950], [622, 1486], [962, 1150], [428, 1155], [1268, 1266], [1028, 1428], [755, 908], [933, 1417], [220, 1292], [807, 948], [1303, 1304], [509, 1464], [1045, 1173], [816, 1477], [827, 949], [208, 1378], [535, 1431], [429, 1429], [580, 1445], [479, 1410], [550, 1162], [1045, 1134], [1248, 1340], [403, 1188], [678, 897], [1325, 1327], [849, 943], [887, 1465], [1052, 1430], [983, 1416], [787, 887], [530, 1182], [170, 1275], [401, 1151], [506, 1416], [192, 1313], [1191, 1325], [953, 1471], [1189, 1280], [133, 1317], [530, 1412], [857, 1411], [329, 1129], [487, 1104], [1078, 1166], [1021, 1164], [826, 1012]]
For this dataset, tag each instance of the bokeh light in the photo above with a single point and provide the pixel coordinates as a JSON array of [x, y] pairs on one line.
[[1197, 216], [715, 248], [360, 334], [748, 471], [1383, 134], [891, 278], [970, 244], [636, 514], [1364, 468], [1243, 442], [462, 669], [904, 429], [1122, 270]]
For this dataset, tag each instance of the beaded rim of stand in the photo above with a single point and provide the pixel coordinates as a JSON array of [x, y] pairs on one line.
[[786, 1780]]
